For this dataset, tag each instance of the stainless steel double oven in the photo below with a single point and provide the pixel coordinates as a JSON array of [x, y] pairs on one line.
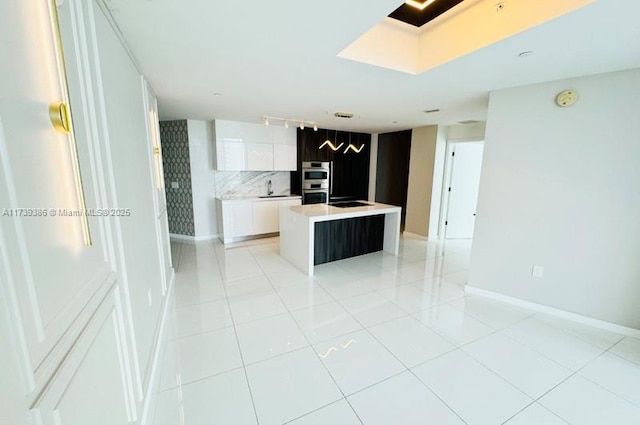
[[316, 182]]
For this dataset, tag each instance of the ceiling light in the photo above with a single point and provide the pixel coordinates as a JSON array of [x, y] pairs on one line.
[[419, 4], [286, 122]]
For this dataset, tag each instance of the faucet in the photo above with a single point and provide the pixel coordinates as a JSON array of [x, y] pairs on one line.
[[269, 188]]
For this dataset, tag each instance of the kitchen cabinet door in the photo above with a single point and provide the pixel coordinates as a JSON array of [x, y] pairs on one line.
[[234, 157], [241, 219], [259, 156], [265, 217], [284, 157]]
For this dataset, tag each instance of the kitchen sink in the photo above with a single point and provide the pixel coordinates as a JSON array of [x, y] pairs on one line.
[[349, 204], [274, 196]]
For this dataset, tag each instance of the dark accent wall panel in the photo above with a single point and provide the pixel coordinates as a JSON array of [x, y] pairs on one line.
[[350, 170], [392, 174], [349, 237], [174, 139]]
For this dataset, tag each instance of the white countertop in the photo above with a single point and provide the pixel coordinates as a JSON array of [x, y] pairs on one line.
[[256, 198], [324, 212]]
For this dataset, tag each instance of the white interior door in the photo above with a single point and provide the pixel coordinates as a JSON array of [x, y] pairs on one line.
[[466, 162]]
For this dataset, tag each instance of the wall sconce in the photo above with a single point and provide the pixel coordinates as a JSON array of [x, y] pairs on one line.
[[60, 116]]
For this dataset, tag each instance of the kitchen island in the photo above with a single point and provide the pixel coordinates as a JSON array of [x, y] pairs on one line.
[[319, 233]]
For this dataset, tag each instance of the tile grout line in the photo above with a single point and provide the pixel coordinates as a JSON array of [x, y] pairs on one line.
[[235, 332], [408, 369], [311, 346], [574, 373]]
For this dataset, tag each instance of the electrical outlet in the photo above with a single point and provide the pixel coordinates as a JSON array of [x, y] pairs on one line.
[[149, 297], [537, 271]]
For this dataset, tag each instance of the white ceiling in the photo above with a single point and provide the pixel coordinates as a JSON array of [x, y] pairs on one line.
[[278, 58]]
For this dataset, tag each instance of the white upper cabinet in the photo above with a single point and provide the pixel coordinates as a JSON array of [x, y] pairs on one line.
[[259, 156], [284, 157], [244, 146]]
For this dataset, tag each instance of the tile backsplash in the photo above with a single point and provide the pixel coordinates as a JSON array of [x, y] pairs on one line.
[[231, 184]]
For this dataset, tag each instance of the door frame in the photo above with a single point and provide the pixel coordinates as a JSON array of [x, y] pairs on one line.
[[446, 182]]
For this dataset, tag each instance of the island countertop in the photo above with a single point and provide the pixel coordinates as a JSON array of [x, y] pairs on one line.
[[323, 212]]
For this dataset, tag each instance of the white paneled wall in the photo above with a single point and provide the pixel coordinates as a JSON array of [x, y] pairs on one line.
[[80, 325]]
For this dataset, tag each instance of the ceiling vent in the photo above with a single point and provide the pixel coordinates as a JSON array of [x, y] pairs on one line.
[[431, 111], [346, 115], [469, 122]]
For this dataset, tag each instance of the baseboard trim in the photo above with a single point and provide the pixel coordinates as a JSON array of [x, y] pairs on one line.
[[147, 405], [596, 323], [187, 238]]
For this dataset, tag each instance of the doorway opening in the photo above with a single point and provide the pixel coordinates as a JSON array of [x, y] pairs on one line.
[[460, 189]]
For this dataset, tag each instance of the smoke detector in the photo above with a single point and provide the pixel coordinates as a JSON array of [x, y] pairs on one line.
[[347, 115]]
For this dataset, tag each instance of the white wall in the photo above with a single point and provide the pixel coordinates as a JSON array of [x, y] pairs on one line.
[[421, 162], [201, 159], [560, 187], [466, 132], [130, 149], [373, 167]]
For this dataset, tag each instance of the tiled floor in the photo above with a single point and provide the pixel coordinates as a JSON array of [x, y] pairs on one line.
[[376, 339]]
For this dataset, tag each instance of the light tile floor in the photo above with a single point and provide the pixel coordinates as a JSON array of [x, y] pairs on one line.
[[376, 339]]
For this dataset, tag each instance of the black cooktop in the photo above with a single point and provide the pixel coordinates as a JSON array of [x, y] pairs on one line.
[[349, 204]]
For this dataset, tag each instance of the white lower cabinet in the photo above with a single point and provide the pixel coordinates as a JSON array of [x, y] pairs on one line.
[[241, 219], [265, 217], [238, 219]]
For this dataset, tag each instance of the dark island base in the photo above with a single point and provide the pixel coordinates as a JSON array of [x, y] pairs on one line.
[[349, 237]]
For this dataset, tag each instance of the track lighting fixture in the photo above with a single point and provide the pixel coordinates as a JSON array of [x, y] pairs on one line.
[[286, 121]]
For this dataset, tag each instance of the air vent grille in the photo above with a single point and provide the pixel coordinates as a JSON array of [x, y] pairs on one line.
[[347, 115]]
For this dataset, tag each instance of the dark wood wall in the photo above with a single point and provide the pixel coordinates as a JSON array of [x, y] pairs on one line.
[[350, 170], [392, 173]]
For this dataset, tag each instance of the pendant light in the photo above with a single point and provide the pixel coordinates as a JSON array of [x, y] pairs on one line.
[[332, 146]]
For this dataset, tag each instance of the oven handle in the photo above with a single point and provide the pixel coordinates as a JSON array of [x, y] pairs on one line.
[[331, 177]]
